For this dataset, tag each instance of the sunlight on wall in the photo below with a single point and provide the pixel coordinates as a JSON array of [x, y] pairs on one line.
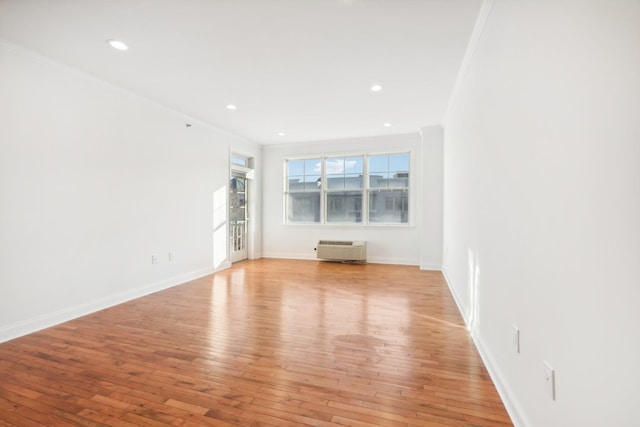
[[474, 289], [220, 226]]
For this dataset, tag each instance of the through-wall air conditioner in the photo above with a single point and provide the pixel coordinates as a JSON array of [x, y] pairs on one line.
[[342, 250]]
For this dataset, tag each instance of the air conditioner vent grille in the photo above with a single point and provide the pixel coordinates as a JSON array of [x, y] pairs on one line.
[[342, 250], [335, 243]]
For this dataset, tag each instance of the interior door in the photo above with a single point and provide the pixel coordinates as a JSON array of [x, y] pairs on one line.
[[238, 216]]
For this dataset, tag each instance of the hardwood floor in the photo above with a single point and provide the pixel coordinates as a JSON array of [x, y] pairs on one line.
[[267, 342]]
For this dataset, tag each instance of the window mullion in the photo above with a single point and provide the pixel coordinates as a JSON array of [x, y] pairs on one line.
[[323, 190], [365, 190]]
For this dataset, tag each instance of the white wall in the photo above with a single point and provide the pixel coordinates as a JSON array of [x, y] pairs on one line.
[[432, 189], [93, 181], [385, 244], [542, 207]]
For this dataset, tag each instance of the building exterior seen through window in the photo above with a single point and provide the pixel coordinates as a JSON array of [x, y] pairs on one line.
[[348, 190]]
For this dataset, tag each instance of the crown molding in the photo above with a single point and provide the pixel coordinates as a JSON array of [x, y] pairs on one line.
[[478, 29]]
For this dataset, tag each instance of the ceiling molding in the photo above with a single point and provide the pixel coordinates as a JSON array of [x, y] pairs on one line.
[[476, 35], [47, 61]]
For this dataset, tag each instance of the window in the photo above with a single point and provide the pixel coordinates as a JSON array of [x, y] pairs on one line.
[[239, 160], [303, 190], [360, 189], [388, 188], [344, 175]]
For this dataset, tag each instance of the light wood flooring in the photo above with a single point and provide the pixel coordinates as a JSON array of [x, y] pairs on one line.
[[265, 343]]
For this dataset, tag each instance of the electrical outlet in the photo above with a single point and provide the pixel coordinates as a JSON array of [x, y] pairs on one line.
[[154, 259], [516, 338], [549, 380]]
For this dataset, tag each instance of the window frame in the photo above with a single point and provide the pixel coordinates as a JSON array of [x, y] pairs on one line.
[[288, 191], [364, 191]]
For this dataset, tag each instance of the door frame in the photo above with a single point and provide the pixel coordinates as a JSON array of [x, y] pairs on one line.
[[249, 173]]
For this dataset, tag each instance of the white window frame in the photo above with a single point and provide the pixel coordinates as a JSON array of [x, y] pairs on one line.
[[364, 190]]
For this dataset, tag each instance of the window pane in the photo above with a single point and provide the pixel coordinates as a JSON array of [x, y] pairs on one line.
[[335, 181], [389, 206], [303, 207], [344, 172], [312, 182], [344, 206], [295, 167], [353, 181], [353, 165], [379, 163], [239, 160], [237, 184], [296, 183], [389, 171], [379, 180], [399, 162], [312, 167], [334, 166], [399, 180]]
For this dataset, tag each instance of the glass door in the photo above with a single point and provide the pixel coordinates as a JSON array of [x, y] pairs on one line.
[[238, 216]]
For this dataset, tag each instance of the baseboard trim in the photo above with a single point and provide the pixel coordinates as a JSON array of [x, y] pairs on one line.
[[430, 267], [372, 260], [48, 320], [461, 309], [280, 255], [511, 405]]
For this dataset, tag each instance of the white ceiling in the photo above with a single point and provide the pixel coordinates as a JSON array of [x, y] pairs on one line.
[[303, 67]]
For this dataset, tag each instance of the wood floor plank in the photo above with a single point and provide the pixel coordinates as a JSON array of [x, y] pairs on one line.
[[265, 343]]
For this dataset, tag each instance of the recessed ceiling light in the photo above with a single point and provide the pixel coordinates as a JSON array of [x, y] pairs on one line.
[[281, 133], [117, 44], [387, 125], [376, 88], [230, 107]]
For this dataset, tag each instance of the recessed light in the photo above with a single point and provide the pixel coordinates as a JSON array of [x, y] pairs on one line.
[[376, 88], [230, 107], [117, 44], [387, 125], [281, 133]]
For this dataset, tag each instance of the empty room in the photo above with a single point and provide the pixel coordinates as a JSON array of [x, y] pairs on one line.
[[319, 212]]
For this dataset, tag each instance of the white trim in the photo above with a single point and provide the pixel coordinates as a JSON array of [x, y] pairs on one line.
[[288, 255], [320, 145], [483, 15], [365, 190], [37, 323], [393, 261], [342, 225], [514, 409], [370, 260], [430, 267], [84, 75]]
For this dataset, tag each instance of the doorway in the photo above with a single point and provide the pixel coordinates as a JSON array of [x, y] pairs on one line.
[[238, 218]]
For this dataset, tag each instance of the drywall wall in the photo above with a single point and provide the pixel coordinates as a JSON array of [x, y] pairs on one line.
[[385, 244], [432, 193], [542, 207], [93, 181]]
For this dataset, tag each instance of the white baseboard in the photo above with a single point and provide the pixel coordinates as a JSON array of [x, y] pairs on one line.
[[287, 255], [47, 320], [396, 261], [372, 260], [511, 405], [430, 267]]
